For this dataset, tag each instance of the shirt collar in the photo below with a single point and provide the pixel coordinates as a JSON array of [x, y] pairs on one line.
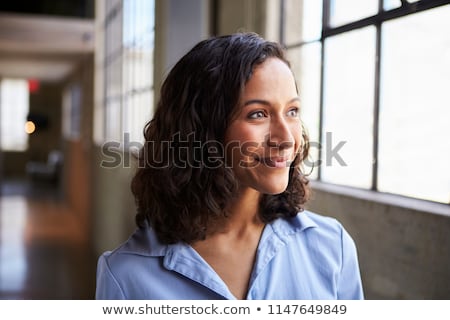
[[275, 236], [145, 242], [286, 227], [182, 258]]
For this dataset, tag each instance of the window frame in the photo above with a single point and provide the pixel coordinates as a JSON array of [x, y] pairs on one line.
[[116, 58], [328, 31]]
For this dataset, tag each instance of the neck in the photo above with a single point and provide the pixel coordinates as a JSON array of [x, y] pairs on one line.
[[244, 212]]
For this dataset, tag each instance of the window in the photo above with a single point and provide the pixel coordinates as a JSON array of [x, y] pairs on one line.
[[348, 106], [414, 106], [373, 77], [14, 106], [137, 68], [71, 117], [128, 69]]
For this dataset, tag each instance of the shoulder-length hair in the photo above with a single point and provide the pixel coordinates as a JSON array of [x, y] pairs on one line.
[[182, 185]]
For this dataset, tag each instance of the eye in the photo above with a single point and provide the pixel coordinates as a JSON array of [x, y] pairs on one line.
[[256, 115], [293, 112]]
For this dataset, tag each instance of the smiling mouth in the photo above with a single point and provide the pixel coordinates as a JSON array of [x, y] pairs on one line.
[[275, 162]]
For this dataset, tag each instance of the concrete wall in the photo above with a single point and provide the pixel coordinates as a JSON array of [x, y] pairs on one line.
[[404, 247], [240, 15], [77, 173], [113, 206], [179, 25]]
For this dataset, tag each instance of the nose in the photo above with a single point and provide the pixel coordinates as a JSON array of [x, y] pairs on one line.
[[280, 134]]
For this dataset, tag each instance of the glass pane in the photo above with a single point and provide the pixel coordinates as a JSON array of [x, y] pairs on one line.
[[414, 150], [71, 113], [140, 114], [303, 20], [348, 108], [138, 23], [391, 4], [114, 84], [305, 62], [345, 11], [113, 121], [137, 66], [113, 33], [14, 107]]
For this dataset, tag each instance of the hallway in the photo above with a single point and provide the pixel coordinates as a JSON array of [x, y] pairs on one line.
[[43, 254]]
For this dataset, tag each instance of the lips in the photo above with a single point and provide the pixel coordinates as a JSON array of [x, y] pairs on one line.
[[274, 162]]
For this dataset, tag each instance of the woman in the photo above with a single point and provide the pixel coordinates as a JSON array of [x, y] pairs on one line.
[[220, 192]]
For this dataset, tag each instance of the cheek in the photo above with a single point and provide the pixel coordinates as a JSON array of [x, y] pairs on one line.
[[242, 134], [242, 143], [297, 133], [241, 153]]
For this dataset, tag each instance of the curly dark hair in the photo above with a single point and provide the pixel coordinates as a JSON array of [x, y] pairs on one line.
[[180, 187]]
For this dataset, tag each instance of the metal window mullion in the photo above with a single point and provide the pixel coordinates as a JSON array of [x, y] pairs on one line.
[[380, 17], [121, 50], [325, 23], [301, 44], [376, 102], [376, 20], [105, 73]]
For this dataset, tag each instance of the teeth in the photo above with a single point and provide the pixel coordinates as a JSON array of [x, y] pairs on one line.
[[273, 162]]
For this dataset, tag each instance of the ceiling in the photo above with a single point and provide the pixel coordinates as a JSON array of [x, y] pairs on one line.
[[42, 47]]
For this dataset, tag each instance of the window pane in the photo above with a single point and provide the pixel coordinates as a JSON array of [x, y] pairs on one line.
[[14, 106], [345, 11], [305, 62], [138, 23], [391, 4], [303, 20], [113, 121], [414, 150], [348, 108], [71, 113], [113, 72], [137, 82], [139, 115]]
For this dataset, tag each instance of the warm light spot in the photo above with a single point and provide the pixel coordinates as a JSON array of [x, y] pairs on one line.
[[30, 127]]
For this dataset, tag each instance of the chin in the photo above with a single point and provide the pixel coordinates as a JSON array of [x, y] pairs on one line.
[[274, 189]]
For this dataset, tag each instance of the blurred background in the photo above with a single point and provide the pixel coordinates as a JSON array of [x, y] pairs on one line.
[[79, 79]]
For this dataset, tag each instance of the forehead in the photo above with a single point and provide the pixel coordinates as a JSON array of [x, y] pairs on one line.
[[273, 77]]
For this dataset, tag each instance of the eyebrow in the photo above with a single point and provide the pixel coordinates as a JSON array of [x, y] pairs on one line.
[[265, 102]]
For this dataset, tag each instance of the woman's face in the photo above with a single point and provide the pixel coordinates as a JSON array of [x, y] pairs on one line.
[[265, 135]]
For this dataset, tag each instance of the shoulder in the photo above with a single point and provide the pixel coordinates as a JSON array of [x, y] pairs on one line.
[[321, 221], [328, 228], [319, 233], [311, 223], [142, 242], [142, 245], [121, 271], [325, 225], [333, 249]]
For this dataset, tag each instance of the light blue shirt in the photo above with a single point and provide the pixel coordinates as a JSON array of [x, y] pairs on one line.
[[305, 257]]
